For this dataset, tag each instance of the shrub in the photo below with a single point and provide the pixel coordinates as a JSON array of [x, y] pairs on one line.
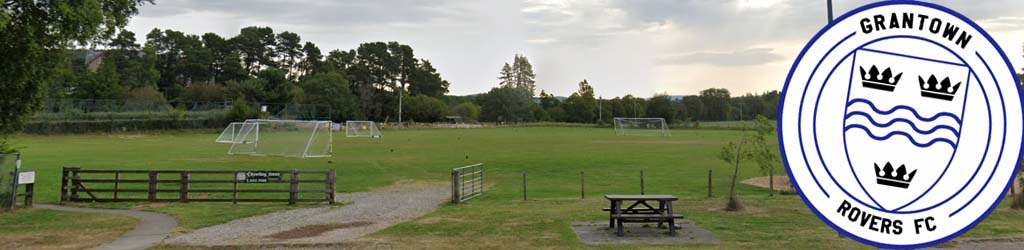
[[203, 92], [145, 99], [467, 110], [424, 108], [241, 110]]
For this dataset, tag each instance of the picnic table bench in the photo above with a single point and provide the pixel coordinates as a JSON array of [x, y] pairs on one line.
[[641, 211]]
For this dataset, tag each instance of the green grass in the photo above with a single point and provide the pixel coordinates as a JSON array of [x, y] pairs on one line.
[[27, 228], [552, 158]]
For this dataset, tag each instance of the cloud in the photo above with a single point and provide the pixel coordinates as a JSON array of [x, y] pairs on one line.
[[747, 57]]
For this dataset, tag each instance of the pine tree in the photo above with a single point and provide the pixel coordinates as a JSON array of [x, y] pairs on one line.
[[524, 76], [506, 76]]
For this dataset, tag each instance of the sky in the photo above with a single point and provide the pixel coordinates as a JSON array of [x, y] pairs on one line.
[[638, 47]]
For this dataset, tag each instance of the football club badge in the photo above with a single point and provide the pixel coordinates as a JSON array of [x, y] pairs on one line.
[[901, 124]]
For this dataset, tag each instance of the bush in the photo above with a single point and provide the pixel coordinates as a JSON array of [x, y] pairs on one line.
[[467, 110], [424, 108], [241, 110], [203, 92], [145, 99]]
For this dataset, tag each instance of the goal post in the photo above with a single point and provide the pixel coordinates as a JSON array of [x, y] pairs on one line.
[[362, 129], [230, 133], [641, 127], [289, 138]]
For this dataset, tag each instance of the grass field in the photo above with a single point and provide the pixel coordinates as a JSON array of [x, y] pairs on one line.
[[553, 159]]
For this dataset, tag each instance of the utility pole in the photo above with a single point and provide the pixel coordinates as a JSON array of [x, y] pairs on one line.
[[600, 113], [400, 106], [829, 11]]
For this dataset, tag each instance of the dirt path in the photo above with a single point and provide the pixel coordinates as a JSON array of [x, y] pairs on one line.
[[368, 212], [781, 183], [152, 227]]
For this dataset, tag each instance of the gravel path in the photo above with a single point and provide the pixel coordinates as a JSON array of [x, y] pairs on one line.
[[152, 227], [368, 212]]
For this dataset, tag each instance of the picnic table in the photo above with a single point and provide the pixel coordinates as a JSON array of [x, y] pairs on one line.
[[640, 210]]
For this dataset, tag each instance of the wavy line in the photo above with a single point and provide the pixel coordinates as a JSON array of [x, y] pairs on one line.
[[898, 107], [894, 133], [911, 123]]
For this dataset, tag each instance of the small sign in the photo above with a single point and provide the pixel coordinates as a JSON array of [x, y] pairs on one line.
[[27, 177], [258, 176]]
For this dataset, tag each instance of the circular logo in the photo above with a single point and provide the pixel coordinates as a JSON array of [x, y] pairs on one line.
[[901, 124]]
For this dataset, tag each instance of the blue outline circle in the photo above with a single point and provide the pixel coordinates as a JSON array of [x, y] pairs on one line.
[[828, 27]]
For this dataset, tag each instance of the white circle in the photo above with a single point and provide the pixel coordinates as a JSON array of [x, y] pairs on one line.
[[915, 86]]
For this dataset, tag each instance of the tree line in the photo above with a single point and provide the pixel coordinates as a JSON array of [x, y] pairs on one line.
[[513, 100], [255, 66]]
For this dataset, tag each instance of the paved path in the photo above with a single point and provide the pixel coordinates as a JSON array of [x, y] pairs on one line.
[[368, 212], [152, 227]]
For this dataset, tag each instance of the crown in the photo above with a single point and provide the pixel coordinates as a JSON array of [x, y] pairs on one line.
[[933, 88], [884, 81], [900, 179]]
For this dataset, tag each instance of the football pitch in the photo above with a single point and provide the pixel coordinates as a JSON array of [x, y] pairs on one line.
[[553, 159]]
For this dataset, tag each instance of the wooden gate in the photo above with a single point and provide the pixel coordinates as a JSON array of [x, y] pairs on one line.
[[467, 182], [78, 185]]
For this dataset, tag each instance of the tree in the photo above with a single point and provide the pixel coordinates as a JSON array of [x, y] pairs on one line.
[[467, 110], [661, 106], [506, 105], [33, 37], [506, 77], [762, 149], [312, 60], [331, 89], [716, 104], [102, 84], [225, 63], [426, 81], [256, 47], [581, 106], [289, 48], [277, 88], [733, 153], [424, 108], [523, 72]]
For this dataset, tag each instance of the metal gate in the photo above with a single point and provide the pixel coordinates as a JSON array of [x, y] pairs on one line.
[[467, 182]]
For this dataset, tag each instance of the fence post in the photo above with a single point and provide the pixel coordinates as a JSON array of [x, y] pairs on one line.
[[582, 187], [117, 184], [641, 182], [75, 184], [455, 186], [63, 185], [183, 196], [234, 189], [152, 186], [293, 193], [709, 183], [29, 193], [771, 182], [524, 186], [331, 177]]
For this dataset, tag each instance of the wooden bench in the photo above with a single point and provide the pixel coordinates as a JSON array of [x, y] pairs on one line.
[[640, 211]]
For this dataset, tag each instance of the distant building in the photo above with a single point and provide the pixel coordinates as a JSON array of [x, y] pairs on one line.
[[93, 59]]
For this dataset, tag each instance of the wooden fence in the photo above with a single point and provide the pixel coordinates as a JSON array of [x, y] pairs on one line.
[[78, 185], [467, 182]]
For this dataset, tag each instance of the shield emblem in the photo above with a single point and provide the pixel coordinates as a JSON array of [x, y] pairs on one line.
[[902, 123]]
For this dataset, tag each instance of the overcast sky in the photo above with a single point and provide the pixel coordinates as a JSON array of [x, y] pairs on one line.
[[636, 47]]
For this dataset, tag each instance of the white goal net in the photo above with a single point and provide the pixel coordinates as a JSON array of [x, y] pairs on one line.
[[289, 138], [230, 133], [361, 129], [641, 127]]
